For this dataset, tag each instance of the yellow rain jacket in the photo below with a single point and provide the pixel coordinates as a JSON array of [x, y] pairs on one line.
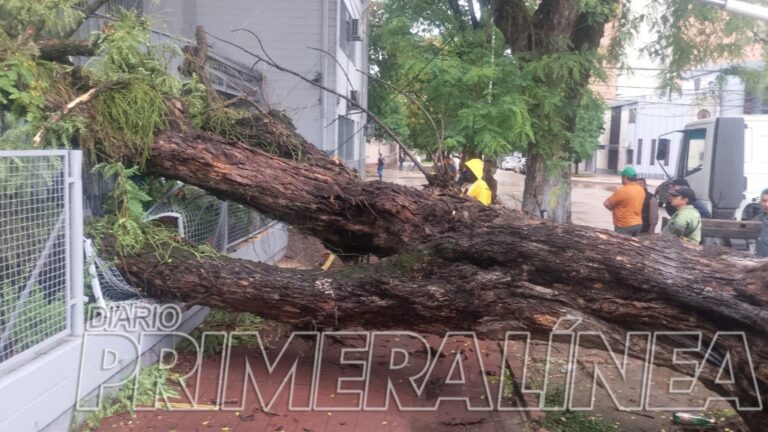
[[479, 189]]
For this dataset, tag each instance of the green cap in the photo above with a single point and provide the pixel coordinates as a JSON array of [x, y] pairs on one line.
[[629, 172]]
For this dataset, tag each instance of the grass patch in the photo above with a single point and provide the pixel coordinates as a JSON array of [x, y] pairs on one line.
[[152, 383], [223, 321], [571, 421]]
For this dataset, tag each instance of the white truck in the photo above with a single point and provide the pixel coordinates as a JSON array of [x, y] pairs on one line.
[[725, 160]]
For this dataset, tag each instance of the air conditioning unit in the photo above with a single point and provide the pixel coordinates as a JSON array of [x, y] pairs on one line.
[[355, 96], [353, 32]]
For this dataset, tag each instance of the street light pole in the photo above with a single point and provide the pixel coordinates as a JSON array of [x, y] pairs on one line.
[[737, 7]]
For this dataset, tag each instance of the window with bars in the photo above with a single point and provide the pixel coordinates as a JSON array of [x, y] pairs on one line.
[[349, 30], [346, 138]]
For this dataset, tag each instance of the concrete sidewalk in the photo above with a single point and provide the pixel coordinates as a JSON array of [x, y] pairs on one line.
[[608, 182]]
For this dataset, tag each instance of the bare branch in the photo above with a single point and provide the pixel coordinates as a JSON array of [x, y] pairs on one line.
[[337, 63], [59, 49], [87, 11], [415, 101], [80, 100], [430, 178]]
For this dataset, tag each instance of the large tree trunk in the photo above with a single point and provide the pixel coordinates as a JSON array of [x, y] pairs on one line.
[[547, 191], [556, 27], [504, 276], [322, 198], [454, 264]]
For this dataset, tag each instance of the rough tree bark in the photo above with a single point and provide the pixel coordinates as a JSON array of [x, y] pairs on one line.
[[449, 263], [453, 264]]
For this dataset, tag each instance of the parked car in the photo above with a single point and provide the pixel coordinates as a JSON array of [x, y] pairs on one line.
[[514, 163]]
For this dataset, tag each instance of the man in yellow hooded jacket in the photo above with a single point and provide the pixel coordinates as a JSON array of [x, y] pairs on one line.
[[479, 189]]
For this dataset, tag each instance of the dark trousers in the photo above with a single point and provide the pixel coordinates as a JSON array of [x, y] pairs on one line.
[[632, 230]]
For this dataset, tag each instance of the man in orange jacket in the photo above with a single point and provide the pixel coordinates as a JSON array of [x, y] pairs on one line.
[[627, 204]]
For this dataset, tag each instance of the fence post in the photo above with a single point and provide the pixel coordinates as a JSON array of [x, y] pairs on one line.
[[76, 259], [223, 227]]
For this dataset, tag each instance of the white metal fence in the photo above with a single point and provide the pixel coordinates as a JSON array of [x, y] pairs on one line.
[[204, 219], [40, 249]]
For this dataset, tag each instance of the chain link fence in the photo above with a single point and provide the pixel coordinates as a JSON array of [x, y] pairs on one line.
[[35, 249]]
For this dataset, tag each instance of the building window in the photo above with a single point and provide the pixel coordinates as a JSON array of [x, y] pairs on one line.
[[633, 115], [346, 138], [346, 29], [630, 156], [639, 151], [653, 152]]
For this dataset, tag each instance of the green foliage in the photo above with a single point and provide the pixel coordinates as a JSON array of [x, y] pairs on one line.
[[53, 17], [449, 70], [127, 116], [41, 316], [689, 34], [151, 386], [125, 51], [223, 321], [195, 101], [23, 83], [563, 128], [567, 420], [126, 197], [127, 119], [508, 391], [571, 421], [126, 202], [487, 100], [589, 125]]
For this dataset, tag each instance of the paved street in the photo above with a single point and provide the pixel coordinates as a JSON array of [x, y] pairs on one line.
[[589, 192]]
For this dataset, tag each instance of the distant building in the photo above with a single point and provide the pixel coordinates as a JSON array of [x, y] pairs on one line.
[[634, 123]]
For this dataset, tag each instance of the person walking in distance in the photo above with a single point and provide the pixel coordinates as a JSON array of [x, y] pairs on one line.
[[650, 209], [380, 167], [626, 204]]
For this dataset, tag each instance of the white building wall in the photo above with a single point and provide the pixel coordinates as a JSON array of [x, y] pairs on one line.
[[732, 98], [657, 115], [347, 78], [292, 33]]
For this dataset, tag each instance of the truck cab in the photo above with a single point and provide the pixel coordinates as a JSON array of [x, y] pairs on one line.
[[725, 160]]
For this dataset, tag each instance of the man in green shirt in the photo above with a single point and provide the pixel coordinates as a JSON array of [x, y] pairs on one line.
[[686, 222]]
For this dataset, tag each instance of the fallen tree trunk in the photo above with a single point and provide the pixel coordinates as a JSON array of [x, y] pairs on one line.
[[498, 278], [320, 197], [456, 265]]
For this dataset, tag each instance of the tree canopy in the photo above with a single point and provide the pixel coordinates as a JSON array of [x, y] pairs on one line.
[[446, 262], [511, 75]]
